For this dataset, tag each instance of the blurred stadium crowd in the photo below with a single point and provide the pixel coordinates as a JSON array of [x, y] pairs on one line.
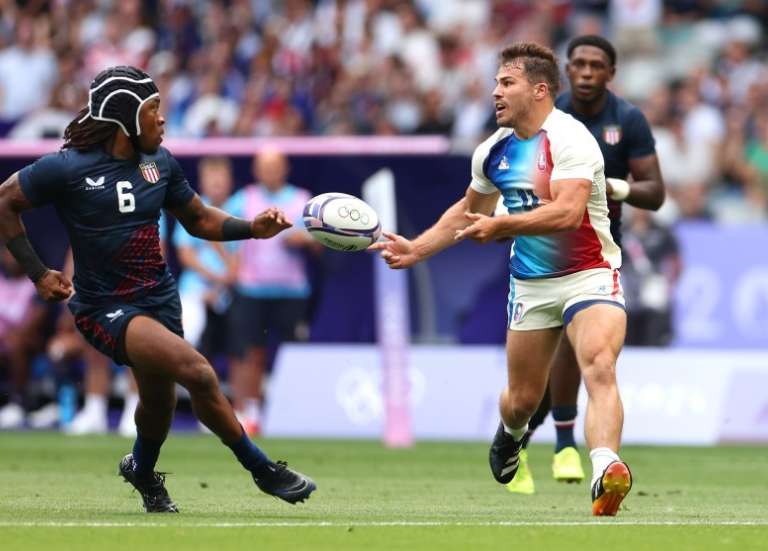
[[297, 67]]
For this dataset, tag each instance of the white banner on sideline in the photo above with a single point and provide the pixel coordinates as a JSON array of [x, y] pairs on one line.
[[671, 396]]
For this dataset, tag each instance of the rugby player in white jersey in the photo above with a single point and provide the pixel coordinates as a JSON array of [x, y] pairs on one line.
[[563, 265]]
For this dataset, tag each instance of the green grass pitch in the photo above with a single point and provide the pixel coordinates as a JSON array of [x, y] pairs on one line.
[[59, 492]]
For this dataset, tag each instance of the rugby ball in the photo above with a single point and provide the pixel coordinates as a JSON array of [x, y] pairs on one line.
[[341, 221]]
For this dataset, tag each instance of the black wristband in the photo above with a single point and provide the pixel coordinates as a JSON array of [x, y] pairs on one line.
[[234, 229], [25, 255]]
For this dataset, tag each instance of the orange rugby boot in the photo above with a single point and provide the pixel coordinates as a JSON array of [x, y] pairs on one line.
[[610, 489]]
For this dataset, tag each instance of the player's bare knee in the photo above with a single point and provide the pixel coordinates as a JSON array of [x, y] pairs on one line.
[[199, 377], [600, 370]]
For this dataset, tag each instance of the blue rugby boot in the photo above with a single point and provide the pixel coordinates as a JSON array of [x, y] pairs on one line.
[[285, 483], [153, 492]]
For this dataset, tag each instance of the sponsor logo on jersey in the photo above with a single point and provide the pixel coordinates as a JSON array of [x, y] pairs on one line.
[[612, 134], [150, 172], [97, 183], [504, 163]]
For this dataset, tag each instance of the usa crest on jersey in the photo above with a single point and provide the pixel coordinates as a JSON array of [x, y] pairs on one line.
[[612, 134], [150, 172]]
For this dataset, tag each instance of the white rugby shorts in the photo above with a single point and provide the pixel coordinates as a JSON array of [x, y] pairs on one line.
[[552, 302]]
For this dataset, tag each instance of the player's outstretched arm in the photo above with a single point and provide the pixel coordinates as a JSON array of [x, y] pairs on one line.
[[52, 285], [213, 224], [400, 252]]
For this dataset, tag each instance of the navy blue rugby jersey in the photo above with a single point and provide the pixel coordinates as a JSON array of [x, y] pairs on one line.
[[110, 208], [623, 133]]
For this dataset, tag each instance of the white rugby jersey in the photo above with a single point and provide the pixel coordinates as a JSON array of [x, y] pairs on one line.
[[523, 169]]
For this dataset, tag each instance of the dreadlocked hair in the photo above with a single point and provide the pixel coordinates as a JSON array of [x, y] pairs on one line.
[[87, 134]]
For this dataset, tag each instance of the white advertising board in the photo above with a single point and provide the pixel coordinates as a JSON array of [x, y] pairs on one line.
[[671, 396]]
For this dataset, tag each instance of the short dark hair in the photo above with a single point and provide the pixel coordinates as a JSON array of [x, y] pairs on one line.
[[596, 41], [539, 63]]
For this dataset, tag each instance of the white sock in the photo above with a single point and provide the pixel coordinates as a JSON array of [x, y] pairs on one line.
[[601, 458], [95, 404], [517, 434]]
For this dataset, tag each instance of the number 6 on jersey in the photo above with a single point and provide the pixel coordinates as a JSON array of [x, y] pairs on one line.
[[126, 202]]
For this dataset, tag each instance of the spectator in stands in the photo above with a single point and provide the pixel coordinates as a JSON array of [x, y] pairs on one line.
[[123, 39], [211, 114], [29, 56], [67, 97], [418, 47], [650, 267], [208, 268], [471, 116], [272, 286], [738, 65], [756, 156], [634, 24], [435, 119], [22, 317], [176, 88]]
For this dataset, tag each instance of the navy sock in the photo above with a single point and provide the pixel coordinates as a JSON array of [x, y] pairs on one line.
[[145, 454], [250, 456], [565, 419]]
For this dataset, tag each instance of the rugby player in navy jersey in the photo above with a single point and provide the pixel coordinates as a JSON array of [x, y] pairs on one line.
[[108, 184], [628, 149]]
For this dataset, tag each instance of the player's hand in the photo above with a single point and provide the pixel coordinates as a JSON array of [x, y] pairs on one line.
[[483, 228], [269, 223], [396, 250], [54, 286]]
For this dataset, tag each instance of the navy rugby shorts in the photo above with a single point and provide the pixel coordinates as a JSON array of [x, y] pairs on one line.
[[103, 326]]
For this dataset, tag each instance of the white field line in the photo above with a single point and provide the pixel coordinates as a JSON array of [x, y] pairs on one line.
[[373, 524]]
